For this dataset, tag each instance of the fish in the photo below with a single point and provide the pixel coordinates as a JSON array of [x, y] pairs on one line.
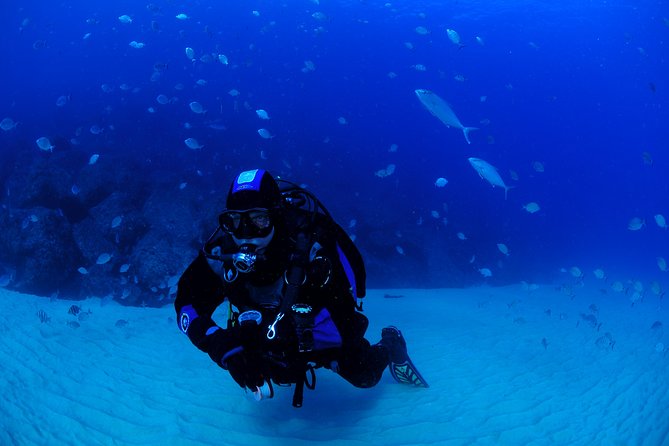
[[393, 296], [74, 310], [589, 319], [461, 236], [103, 258], [43, 317], [264, 133], [531, 207], [389, 170], [441, 182], [440, 108], [222, 58], [173, 280], [83, 271], [124, 268], [662, 264], [262, 114], [136, 44], [656, 288], [193, 144], [489, 173], [454, 37], [6, 279], [216, 125], [636, 297], [207, 58], [617, 286], [196, 107], [162, 99], [44, 144], [62, 101], [538, 166], [7, 124], [182, 16], [576, 272], [660, 220], [190, 53], [126, 19], [116, 221], [234, 92], [40, 44], [153, 8], [503, 249], [647, 158], [636, 223], [308, 66], [599, 273], [485, 272]]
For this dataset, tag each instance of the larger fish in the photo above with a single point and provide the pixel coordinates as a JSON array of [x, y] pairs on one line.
[[440, 108], [454, 37], [489, 173]]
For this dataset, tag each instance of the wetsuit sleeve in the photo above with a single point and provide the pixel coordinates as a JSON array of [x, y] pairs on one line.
[[200, 291]]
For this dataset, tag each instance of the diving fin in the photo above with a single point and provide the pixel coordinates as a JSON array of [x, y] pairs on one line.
[[406, 373], [401, 367]]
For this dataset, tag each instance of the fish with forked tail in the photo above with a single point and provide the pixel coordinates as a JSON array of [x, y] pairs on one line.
[[489, 173], [440, 108]]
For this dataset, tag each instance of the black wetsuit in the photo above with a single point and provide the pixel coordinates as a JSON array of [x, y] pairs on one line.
[[339, 328]]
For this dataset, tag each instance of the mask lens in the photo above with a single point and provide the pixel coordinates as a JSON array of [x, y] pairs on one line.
[[246, 224], [260, 219], [229, 221]]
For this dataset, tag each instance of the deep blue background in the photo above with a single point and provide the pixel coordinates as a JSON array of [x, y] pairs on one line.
[[580, 87]]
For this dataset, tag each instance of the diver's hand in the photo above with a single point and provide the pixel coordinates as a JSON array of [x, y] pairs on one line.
[[250, 336], [244, 367]]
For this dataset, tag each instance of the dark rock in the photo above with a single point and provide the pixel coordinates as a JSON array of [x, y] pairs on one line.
[[39, 243]]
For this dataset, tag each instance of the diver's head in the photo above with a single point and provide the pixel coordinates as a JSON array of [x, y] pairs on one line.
[[251, 209]]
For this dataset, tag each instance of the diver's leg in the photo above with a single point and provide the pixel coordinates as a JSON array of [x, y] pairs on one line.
[[362, 364], [401, 367]]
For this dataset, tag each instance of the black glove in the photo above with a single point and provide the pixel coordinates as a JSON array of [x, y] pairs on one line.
[[244, 361], [245, 369]]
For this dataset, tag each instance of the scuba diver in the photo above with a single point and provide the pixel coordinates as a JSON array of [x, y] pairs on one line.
[[292, 278]]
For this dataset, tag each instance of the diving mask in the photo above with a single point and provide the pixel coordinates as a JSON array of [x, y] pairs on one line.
[[248, 224]]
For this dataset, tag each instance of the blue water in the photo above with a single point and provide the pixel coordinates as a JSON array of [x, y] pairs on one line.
[[580, 87]]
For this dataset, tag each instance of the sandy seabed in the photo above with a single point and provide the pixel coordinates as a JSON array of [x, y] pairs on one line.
[[505, 367]]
